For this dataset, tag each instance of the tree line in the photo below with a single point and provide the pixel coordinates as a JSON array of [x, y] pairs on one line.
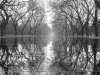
[[14, 13], [74, 17]]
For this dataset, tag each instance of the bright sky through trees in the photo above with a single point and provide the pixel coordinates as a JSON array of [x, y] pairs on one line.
[[47, 9], [48, 12]]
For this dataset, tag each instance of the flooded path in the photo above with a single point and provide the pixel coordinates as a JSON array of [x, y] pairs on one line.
[[48, 50]]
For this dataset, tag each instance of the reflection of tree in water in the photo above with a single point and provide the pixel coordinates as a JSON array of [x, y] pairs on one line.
[[21, 56], [4, 55], [80, 57]]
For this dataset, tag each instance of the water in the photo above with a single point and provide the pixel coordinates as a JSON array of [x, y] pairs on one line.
[[68, 56], [26, 56], [48, 54]]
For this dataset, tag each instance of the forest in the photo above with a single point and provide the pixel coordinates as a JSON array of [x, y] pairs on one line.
[[24, 34]]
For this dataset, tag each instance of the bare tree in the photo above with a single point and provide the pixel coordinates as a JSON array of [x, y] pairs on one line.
[[73, 11]]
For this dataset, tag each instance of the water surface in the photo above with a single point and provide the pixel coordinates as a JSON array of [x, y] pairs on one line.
[[35, 56]]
